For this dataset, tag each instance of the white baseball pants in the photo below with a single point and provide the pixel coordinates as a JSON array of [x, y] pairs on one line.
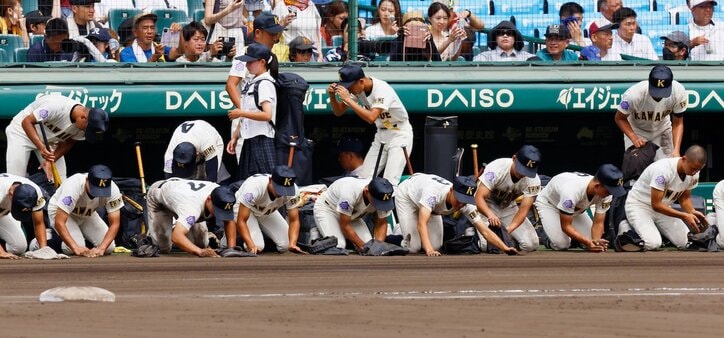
[[550, 217], [92, 228], [525, 234], [392, 161], [407, 211], [650, 225], [327, 219], [12, 233]]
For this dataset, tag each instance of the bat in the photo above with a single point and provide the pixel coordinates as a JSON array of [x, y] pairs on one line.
[[290, 158], [407, 160], [379, 157], [56, 175], [140, 168], [474, 146]]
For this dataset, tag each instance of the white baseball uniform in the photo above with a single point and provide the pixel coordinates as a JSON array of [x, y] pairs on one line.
[[265, 217], [11, 230], [180, 200], [649, 224], [429, 192], [53, 111], [501, 201], [566, 194], [83, 221], [718, 196], [206, 140], [393, 128], [345, 197], [650, 119]]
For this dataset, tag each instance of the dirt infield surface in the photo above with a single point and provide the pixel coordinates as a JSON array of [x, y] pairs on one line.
[[552, 294]]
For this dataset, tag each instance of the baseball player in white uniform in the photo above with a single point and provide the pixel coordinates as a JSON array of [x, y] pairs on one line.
[[64, 120], [190, 203], [718, 217], [424, 198], [257, 210], [195, 152], [21, 200], [339, 210], [648, 205], [643, 114], [376, 102], [563, 202], [72, 211], [503, 181]]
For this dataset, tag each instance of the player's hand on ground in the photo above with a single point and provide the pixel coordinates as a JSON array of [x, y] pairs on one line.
[[297, 250], [207, 252], [96, 252], [81, 251], [597, 247], [7, 255], [600, 242], [254, 249], [433, 253], [511, 251]]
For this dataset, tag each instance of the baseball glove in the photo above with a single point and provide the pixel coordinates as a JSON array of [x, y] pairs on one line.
[[320, 245], [236, 251], [704, 241], [379, 248], [628, 241], [145, 247]]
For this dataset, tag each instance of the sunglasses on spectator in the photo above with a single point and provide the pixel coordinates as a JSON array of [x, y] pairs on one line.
[[304, 51], [508, 32]]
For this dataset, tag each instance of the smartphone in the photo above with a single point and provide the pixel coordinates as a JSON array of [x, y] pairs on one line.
[[169, 38], [229, 43], [416, 38]]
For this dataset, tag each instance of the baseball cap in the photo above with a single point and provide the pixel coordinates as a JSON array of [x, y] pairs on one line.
[[381, 190], [99, 34], [678, 37], [527, 158], [660, 79], [283, 179], [255, 51], [25, 197], [594, 28], [82, 2], [464, 189], [349, 74], [268, 22], [184, 160], [557, 30], [36, 17], [695, 3], [97, 124], [611, 178], [99, 180], [125, 31], [223, 200], [350, 144], [142, 16], [301, 43]]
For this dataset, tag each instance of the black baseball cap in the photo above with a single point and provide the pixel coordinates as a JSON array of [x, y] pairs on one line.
[[612, 178], [99, 180], [349, 74], [381, 190], [125, 31], [25, 197], [660, 79], [464, 188], [36, 17], [256, 51], [223, 200], [283, 179], [184, 160], [527, 158], [557, 30], [268, 22], [97, 124]]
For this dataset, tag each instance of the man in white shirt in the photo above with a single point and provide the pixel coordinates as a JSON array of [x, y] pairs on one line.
[[81, 22], [707, 35], [627, 41]]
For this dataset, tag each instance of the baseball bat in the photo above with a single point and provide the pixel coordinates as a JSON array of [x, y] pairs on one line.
[[407, 160], [140, 168], [379, 157], [290, 158], [56, 175], [474, 146]]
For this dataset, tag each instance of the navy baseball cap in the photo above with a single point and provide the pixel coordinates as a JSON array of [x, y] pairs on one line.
[[223, 200], [36, 17], [99, 34], [184, 160], [268, 22], [464, 188], [660, 79], [99, 180], [612, 178], [97, 124], [25, 197], [381, 190], [256, 51], [283, 179], [349, 74], [527, 160]]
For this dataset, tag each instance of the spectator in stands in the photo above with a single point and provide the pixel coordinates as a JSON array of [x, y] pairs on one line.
[[193, 44], [300, 49], [607, 8], [366, 49], [505, 43], [470, 22], [676, 46], [385, 20], [447, 41], [143, 48], [12, 20], [602, 41], [571, 14], [125, 33], [332, 21], [97, 43], [35, 23], [81, 21], [103, 7], [404, 48], [556, 43], [228, 20], [301, 18], [627, 41], [56, 30], [150, 5], [707, 42]]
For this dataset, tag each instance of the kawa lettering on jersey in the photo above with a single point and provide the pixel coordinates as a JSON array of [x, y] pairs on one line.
[[651, 115]]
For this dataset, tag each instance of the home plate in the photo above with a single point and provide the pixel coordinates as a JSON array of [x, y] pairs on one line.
[[77, 293]]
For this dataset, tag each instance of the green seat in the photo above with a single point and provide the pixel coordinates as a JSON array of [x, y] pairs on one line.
[[21, 54], [337, 40], [168, 16], [195, 5], [9, 43], [3, 56], [36, 39], [199, 15], [31, 5], [117, 15]]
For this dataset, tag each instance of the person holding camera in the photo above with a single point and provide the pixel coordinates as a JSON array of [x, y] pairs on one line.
[[144, 48], [193, 44], [385, 21], [447, 41], [415, 43], [49, 49], [301, 18], [227, 19]]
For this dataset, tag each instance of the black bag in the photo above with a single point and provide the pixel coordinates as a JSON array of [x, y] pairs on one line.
[[462, 245], [132, 215], [628, 241], [704, 241]]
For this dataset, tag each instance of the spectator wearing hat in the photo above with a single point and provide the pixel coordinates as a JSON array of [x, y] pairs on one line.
[[557, 38], [300, 49], [35, 23], [505, 43], [11, 19], [676, 46], [707, 34], [98, 45], [73, 212], [64, 120], [193, 45], [125, 33], [24, 201], [563, 202], [300, 18], [49, 49], [82, 20], [194, 152], [571, 14], [400, 49], [602, 41], [144, 49], [626, 40]]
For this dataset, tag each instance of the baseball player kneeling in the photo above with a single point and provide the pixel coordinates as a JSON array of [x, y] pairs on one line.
[[24, 202], [562, 206], [195, 152], [718, 217], [73, 212], [191, 203]]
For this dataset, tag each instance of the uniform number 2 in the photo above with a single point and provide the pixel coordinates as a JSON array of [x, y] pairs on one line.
[[196, 186]]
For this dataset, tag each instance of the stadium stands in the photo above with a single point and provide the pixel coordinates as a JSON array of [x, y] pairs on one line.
[[168, 16], [8, 43], [116, 16]]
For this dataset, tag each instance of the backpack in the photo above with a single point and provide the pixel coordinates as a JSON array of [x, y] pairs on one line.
[[291, 90]]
